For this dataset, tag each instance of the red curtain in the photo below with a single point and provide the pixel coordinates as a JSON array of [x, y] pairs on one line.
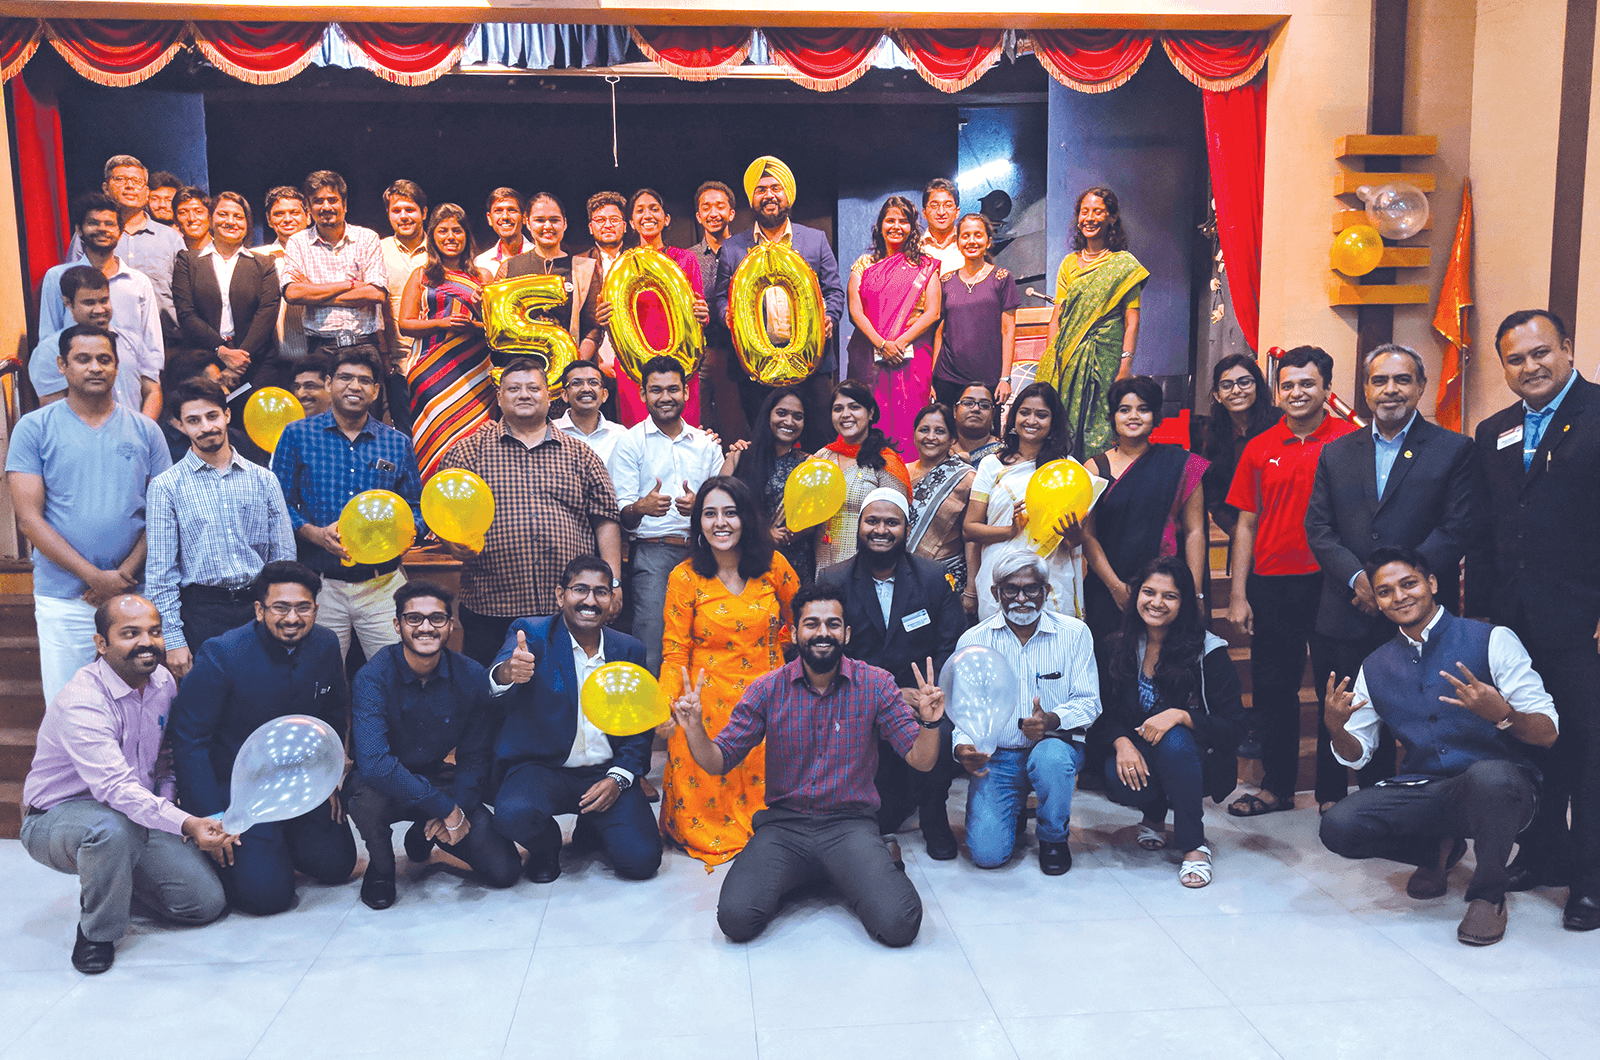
[[823, 59], [693, 54], [408, 53], [115, 52], [19, 39], [1217, 62], [951, 59], [1091, 60], [42, 178], [262, 53], [1236, 135]]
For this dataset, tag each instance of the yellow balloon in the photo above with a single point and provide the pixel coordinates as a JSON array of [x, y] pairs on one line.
[[457, 505], [622, 699], [514, 326], [771, 265], [376, 527], [1357, 250], [813, 494], [1055, 491], [647, 269], [267, 412]]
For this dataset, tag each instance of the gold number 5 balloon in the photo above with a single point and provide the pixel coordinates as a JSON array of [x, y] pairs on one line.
[[771, 265], [646, 269], [514, 329]]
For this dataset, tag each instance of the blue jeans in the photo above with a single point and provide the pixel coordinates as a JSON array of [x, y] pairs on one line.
[[1177, 780], [1050, 767]]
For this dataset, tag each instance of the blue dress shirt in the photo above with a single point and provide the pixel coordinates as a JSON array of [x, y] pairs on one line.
[[1534, 423]]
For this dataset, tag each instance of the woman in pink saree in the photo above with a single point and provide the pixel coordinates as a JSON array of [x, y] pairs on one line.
[[894, 305], [649, 218]]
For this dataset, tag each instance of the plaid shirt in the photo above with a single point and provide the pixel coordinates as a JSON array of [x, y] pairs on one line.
[[822, 750], [320, 470], [210, 527], [357, 256], [546, 501]]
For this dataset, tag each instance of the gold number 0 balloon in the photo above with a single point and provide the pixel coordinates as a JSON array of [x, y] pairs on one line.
[[775, 265], [645, 269], [512, 329]]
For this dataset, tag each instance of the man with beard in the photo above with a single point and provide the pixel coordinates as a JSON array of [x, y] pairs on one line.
[[413, 704], [1059, 698], [818, 824], [552, 759], [282, 663], [93, 794], [901, 609], [335, 272], [657, 467], [135, 300], [608, 224], [214, 520], [769, 185]]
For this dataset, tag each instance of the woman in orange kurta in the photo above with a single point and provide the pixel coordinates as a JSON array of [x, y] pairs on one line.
[[727, 616]]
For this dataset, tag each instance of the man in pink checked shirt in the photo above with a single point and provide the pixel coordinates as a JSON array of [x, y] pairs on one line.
[[93, 807]]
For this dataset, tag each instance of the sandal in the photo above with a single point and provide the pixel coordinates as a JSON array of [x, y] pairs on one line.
[[1151, 838], [1200, 870], [1255, 806]]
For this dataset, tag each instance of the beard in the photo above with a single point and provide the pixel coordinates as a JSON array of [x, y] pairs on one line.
[[821, 654], [1023, 614], [889, 558]]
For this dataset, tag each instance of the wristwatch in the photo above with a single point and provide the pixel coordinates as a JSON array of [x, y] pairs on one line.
[[930, 724], [624, 782]]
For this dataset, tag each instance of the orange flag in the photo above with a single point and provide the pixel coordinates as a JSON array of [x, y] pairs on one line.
[[1449, 320]]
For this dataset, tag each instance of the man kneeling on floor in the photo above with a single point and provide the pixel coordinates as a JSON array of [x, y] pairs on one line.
[[822, 716], [1464, 701]]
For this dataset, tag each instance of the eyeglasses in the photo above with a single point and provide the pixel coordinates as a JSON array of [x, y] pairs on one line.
[[283, 610], [1034, 591], [415, 619], [1228, 385], [359, 380], [129, 182], [973, 403], [599, 592]]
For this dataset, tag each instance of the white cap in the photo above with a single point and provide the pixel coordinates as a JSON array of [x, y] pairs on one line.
[[893, 496]]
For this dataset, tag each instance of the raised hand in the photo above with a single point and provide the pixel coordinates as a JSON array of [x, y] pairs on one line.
[[1039, 722], [1484, 700], [518, 669], [929, 703], [653, 503], [685, 500], [1340, 703], [686, 711]]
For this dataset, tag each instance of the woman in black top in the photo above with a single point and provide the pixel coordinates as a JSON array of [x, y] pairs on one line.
[[1243, 409]]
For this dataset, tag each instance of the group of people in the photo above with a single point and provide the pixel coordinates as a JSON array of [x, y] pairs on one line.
[[189, 587]]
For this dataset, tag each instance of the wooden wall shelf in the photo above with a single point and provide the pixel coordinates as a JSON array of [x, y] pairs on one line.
[[1343, 293], [1348, 180], [1393, 146], [1405, 258], [1343, 219]]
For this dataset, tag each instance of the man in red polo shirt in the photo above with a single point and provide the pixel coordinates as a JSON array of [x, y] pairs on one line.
[[1277, 583]]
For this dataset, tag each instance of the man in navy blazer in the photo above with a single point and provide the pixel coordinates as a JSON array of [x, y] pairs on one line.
[[549, 758], [1403, 482]]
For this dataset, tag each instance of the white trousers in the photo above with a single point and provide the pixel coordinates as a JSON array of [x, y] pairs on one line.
[[66, 639]]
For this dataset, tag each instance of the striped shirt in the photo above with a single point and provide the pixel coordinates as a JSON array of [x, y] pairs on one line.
[[357, 257], [1056, 666], [211, 527]]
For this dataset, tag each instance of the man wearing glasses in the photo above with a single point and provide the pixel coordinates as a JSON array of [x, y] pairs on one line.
[[142, 244], [583, 385], [413, 704], [1053, 657]]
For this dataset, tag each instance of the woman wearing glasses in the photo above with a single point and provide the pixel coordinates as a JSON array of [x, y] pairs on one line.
[[1242, 408], [975, 422], [977, 337]]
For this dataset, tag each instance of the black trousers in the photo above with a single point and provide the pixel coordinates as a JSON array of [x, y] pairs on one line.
[[482, 636], [902, 789], [261, 879], [1285, 609], [488, 852], [1343, 658], [1571, 770], [206, 618], [531, 795], [1489, 804]]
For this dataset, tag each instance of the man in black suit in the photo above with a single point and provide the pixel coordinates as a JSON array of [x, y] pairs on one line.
[[901, 609], [549, 758], [1538, 572], [1404, 482]]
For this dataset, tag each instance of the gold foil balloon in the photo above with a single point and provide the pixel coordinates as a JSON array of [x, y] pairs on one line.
[[622, 699], [376, 527], [647, 269], [457, 506], [267, 412], [1357, 250], [813, 494], [771, 265], [1055, 491], [514, 328]]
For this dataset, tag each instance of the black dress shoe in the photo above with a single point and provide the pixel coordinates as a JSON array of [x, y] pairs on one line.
[[419, 847], [92, 958], [543, 868], [377, 890], [1582, 913], [1525, 876], [1054, 858], [936, 834]]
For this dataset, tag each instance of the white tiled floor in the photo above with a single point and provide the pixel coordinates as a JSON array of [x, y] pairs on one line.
[[1292, 952]]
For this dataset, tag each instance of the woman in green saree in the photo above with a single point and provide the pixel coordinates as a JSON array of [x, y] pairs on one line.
[[1095, 325]]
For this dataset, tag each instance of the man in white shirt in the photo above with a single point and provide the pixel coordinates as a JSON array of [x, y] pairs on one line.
[[145, 246], [1464, 701], [656, 469], [403, 253], [941, 208], [286, 214], [553, 758], [87, 295], [1058, 699], [506, 211], [583, 385]]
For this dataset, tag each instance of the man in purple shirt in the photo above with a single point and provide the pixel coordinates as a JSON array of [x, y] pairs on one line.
[[92, 803], [822, 717]]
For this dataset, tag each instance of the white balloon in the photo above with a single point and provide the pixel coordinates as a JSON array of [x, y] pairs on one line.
[[1398, 210], [980, 694], [287, 767]]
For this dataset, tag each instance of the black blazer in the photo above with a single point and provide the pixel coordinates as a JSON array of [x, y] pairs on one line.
[[253, 294], [1539, 568], [1433, 502], [920, 589]]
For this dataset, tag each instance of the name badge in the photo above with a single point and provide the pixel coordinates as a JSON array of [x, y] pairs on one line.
[[917, 620], [1509, 438]]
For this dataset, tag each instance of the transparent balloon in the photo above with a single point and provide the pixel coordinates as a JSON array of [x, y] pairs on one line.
[[980, 694], [623, 699], [287, 767], [1398, 210]]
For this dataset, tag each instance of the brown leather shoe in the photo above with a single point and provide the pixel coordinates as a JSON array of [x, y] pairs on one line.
[[1484, 924], [1432, 881]]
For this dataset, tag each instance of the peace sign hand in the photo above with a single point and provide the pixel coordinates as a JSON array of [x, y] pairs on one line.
[[1340, 703], [930, 697], [686, 708], [1483, 700]]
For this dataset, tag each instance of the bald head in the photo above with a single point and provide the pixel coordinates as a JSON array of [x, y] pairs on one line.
[[128, 636]]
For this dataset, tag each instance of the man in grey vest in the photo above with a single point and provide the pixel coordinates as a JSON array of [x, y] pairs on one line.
[[1465, 703]]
